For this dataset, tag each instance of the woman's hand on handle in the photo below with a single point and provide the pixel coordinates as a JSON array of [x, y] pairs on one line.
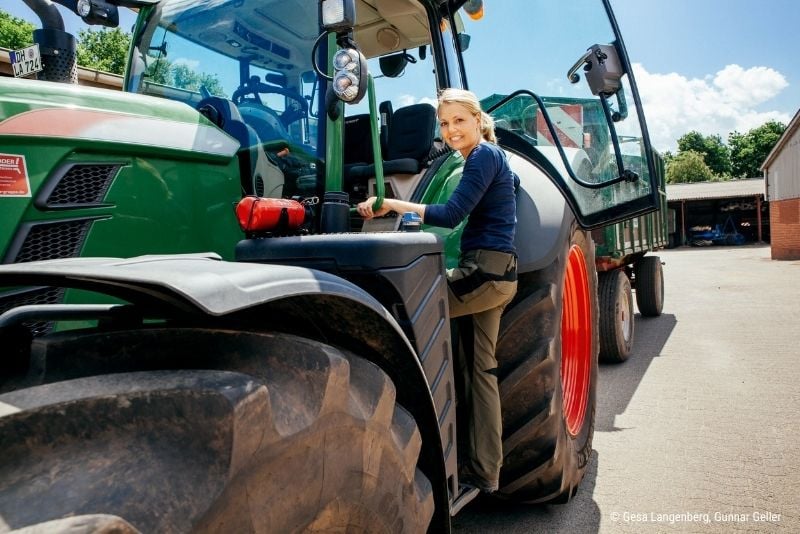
[[366, 210]]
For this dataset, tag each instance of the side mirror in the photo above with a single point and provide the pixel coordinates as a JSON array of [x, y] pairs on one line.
[[463, 41], [602, 68], [337, 15]]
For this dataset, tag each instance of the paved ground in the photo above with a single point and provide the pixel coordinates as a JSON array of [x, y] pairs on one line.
[[698, 431]]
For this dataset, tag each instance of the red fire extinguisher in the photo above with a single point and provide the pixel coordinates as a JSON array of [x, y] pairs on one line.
[[271, 215]]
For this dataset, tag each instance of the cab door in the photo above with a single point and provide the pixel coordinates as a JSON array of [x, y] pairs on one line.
[[556, 78]]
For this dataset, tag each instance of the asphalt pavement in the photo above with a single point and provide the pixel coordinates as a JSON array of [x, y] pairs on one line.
[[698, 431]]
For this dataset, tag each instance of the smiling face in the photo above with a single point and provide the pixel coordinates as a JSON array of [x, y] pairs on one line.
[[460, 129]]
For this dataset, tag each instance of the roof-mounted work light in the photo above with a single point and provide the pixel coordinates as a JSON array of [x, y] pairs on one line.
[[337, 15]]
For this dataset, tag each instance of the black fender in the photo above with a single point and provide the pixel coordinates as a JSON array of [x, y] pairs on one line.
[[202, 290], [544, 218]]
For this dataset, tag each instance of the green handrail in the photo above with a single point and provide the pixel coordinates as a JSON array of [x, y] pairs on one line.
[[380, 190]]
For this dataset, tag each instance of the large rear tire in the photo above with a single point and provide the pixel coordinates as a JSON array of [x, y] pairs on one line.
[[547, 355], [616, 316], [649, 279], [326, 446]]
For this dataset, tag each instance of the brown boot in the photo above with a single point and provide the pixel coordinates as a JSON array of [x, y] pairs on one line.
[[467, 478]]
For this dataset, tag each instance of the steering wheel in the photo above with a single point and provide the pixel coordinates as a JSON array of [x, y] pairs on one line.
[[296, 109]]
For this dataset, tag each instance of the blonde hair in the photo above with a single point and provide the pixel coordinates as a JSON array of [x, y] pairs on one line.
[[471, 103]]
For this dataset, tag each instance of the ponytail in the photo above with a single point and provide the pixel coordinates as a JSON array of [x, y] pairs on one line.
[[487, 128]]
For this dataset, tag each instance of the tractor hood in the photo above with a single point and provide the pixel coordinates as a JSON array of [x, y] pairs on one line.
[[65, 111]]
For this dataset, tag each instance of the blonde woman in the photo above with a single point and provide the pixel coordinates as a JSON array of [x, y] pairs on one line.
[[485, 280]]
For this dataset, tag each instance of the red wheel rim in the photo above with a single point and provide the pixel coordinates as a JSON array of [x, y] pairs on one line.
[[576, 341]]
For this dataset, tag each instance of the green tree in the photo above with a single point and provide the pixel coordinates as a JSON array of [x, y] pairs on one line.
[[185, 77], [212, 83], [159, 71], [688, 166], [105, 50], [182, 76], [748, 151], [715, 153], [15, 33]]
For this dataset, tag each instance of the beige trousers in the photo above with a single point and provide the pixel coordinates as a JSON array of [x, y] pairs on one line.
[[485, 302]]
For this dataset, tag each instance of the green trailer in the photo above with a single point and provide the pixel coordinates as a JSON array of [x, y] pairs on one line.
[[623, 263]]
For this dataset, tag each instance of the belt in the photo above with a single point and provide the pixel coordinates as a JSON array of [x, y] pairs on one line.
[[493, 262], [488, 265]]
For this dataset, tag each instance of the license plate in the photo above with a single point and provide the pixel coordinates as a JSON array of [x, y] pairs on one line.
[[26, 61]]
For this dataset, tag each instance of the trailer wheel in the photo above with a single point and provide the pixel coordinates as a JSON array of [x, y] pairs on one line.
[[547, 356], [649, 278], [291, 435], [616, 316]]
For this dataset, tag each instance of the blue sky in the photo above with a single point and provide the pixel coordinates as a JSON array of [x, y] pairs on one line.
[[722, 64], [709, 65]]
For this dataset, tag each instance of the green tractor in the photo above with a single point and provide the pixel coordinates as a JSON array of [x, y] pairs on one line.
[[198, 334]]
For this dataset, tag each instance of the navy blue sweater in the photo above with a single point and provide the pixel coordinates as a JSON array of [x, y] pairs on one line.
[[487, 194]]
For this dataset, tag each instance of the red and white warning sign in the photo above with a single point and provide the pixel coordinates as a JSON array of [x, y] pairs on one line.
[[568, 122], [14, 180]]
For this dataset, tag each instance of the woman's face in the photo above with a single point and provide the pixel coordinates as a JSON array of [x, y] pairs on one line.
[[460, 129]]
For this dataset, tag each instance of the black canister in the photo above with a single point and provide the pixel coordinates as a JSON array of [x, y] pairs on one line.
[[335, 217]]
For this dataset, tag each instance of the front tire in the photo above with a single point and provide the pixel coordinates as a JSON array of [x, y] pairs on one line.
[[547, 355], [317, 444]]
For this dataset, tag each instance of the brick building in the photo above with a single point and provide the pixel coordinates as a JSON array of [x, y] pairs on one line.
[[782, 180]]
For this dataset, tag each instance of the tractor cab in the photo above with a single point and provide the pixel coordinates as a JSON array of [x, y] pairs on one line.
[[559, 86]]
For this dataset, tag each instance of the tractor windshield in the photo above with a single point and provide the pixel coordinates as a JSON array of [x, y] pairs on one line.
[[255, 54]]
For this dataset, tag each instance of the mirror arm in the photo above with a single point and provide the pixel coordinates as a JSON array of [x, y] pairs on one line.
[[625, 175], [572, 73]]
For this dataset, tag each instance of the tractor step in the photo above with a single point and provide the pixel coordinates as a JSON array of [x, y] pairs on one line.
[[465, 497]]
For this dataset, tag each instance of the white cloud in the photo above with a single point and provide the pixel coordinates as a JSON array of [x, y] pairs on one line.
[[716, 105]]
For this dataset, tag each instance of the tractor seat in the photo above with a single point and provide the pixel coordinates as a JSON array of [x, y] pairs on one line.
[[411, 135]]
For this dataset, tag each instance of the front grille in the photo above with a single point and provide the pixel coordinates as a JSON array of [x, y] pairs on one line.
[[80, 185], [45, 295], [48, 241]]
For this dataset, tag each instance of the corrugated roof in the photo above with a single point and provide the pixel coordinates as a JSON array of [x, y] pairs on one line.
[[793, 125], [708, 190]]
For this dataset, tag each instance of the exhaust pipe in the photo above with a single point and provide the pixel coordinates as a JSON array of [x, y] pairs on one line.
[[58, 48]]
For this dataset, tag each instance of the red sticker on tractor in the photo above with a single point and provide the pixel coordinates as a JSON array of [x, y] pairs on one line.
[[14, 176]]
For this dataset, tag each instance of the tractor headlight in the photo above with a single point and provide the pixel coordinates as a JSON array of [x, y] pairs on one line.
[[84, 7], [350, 75], [345, 85], [346, 59]]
